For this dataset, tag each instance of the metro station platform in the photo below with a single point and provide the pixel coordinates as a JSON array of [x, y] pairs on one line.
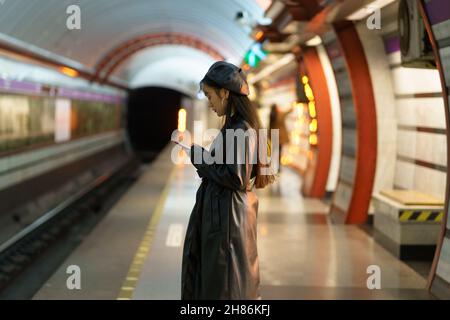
[[135, 251]]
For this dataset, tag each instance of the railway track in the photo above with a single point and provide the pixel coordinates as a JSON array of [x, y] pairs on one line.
[[19, 253]]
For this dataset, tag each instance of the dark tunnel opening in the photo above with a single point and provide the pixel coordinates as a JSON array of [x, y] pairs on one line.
[[151, 119]]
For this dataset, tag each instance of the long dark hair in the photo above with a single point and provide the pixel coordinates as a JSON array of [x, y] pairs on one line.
[[242, 105]]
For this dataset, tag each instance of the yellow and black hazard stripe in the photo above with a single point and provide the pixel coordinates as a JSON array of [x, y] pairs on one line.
[[421, 215]]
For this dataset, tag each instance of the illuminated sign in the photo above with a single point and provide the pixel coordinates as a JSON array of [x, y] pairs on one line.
[[255, 55]]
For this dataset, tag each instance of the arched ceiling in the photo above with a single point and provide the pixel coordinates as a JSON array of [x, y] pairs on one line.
[[105, 24], [175, 67]]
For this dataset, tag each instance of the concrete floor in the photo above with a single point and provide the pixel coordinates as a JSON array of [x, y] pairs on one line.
[[316, 259], [135, 253]]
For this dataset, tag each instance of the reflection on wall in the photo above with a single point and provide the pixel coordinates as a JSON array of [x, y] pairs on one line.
[[25, 121], [29, 121]]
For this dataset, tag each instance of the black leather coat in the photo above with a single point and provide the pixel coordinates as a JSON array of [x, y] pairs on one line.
[[220, 258]]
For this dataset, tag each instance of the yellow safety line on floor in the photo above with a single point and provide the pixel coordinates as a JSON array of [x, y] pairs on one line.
[[131, 280]]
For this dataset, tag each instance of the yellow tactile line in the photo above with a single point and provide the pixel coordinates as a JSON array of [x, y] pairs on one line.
[[128, 286]]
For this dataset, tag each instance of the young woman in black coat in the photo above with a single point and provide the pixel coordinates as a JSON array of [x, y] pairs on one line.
[[220, 257]]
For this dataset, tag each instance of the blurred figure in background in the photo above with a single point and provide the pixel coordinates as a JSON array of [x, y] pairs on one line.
[[278, 121]]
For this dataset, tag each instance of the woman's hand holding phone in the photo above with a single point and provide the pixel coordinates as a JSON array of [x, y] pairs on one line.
[[185, 147]]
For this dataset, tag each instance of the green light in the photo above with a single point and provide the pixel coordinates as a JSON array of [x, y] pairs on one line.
[[255, 55]]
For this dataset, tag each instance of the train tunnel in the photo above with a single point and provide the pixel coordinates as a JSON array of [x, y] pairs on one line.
[[350, 99]]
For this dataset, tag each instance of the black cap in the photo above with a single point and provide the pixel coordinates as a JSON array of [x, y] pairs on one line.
[[228, 76]]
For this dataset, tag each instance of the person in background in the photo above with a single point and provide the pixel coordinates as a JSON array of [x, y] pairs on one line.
[[278, 121]]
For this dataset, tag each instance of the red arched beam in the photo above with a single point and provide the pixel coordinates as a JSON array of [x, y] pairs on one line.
[[126, 54], [118, 55], [318, 24], [316, 175], [366, 121], [445, 92]]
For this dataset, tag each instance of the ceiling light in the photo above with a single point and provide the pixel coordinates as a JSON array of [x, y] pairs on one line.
[[314, 42], [69, 72]]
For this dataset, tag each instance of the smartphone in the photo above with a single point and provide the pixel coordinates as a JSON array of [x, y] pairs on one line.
[[184, 146]]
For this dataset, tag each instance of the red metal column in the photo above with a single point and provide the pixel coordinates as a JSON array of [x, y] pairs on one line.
[[366, 123], [316, 175]]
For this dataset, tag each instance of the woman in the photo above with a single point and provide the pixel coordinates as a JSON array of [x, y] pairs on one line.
[[220, 258]]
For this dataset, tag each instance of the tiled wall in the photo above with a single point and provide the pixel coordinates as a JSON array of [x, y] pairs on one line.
[[438, 14], [421, 155]]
